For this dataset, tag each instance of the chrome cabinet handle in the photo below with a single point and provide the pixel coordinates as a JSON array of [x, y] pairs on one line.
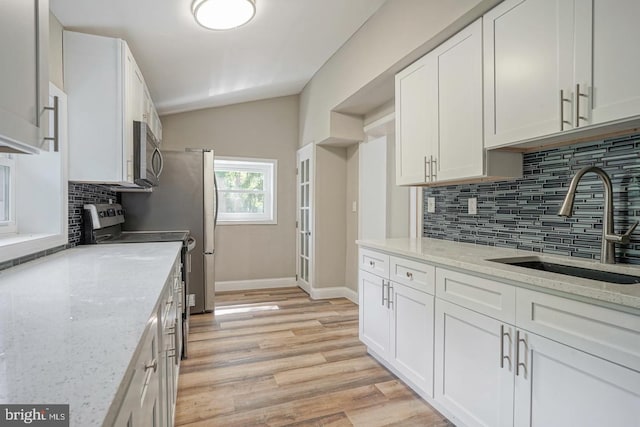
[[578, 95], [502, 355], [518, 362], [56, 126], [384, 299], [427, 176], [562, 101], [409, 275], [153, 365], [389, 293], [433, 168]]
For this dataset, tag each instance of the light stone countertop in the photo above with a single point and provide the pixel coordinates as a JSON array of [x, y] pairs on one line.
[[70, 323], [474, 258]]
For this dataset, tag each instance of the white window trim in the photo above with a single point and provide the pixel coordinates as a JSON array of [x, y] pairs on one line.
[[15, 245], [11, 226], [267, 165]]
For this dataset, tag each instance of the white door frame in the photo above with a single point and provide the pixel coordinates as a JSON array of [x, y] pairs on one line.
[[304, 153]]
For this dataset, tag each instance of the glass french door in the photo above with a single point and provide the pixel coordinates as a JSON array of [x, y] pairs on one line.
[[304, 217]]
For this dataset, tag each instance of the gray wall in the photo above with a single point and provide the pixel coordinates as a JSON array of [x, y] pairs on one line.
[[522, 213], [261, 129]]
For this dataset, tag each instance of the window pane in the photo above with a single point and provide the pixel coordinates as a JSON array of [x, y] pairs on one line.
[[5, 193], [239, 180], [241, 202]]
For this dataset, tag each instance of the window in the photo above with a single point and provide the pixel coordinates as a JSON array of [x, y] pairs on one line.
[[7, 194], [246, 190]]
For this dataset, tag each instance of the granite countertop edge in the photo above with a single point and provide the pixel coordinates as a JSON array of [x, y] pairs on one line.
[[477, 259]]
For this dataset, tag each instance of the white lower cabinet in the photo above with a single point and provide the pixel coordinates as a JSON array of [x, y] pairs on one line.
[[471, 380], [396, 320], [558, 385], [152, 379], [141, 405], [374, 315], [411, 347], [487, 353]]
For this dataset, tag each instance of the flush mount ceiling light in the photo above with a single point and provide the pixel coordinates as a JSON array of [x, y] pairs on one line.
[[223, 14]]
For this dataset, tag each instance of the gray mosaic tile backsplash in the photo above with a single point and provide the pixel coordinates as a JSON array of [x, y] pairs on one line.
[[522, 213], [79, 195]]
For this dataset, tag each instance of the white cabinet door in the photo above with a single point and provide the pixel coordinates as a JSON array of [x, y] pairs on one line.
[[134, 107], [562, 386], [149, 395], [528, 59], [411, 349], [471, 380], [374, 314], [608, 60], [416, 120], [24, 75], [460, 149]]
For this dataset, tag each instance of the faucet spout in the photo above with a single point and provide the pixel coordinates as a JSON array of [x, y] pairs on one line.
[[607, 251]]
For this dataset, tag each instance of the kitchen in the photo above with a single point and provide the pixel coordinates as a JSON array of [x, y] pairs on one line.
[[401, 258]]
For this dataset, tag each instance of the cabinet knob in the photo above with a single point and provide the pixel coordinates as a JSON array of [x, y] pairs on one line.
[[372, 264], [409, 275]]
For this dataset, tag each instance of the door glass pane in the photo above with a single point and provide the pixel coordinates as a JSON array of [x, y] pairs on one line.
[[5, 193], [306, 195], [306, 176], [306, 220]]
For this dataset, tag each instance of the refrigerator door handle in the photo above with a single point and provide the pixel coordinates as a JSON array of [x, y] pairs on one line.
[[209, 202], [215, 186]]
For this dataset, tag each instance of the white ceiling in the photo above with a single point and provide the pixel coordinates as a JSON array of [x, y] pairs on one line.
[[188, 67]]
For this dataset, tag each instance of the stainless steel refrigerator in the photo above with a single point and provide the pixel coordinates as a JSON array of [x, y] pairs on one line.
[[186, 199]]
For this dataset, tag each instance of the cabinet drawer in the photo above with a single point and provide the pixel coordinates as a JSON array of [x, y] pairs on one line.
[[495, 299], [374, 262], [414, 274], [601, 331]]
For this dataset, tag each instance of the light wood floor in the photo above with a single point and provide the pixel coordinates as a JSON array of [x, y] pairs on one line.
[[277, 358]]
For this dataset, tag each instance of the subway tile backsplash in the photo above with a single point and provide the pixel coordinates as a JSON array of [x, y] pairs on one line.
[[522, 213], [79, 195]]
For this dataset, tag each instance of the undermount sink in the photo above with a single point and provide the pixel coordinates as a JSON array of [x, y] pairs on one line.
[[569, 270]]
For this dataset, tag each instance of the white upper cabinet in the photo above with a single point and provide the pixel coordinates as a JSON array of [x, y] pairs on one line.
[[24, 82], [553, 67], [460, 152], [607, 60], [106, 93], [416, 120], [439, 126], [528, 50]]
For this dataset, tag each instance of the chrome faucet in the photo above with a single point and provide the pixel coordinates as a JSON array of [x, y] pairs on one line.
[[609, 238]]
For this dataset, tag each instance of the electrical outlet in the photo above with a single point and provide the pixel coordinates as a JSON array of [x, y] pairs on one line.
[[472, 205], [431, 204], [354, 206], [192, 300]]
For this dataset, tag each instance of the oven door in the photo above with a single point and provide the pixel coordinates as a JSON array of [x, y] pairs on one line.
[[147, 156]]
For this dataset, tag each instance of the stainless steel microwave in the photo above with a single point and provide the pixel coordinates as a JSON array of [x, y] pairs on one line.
[[147, 158]]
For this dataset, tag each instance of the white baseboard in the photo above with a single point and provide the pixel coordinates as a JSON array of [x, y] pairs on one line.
[[245, 285], [288, 282], [334, 292]]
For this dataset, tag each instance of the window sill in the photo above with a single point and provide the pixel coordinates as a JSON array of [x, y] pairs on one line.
[[14, 246]]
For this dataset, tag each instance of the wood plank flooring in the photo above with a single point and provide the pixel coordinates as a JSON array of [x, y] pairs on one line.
[[277, 358]]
